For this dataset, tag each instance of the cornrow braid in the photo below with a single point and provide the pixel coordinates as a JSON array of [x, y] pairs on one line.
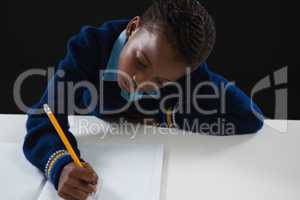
[[187, 25]]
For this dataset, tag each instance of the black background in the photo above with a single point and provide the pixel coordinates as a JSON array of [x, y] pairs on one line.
[[250, 42]]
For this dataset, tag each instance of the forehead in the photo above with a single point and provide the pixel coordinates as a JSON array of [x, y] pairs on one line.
[[156, 45], [158, 50]]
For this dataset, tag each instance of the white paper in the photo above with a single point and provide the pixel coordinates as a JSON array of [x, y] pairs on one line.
[[18, 178], [126, 171]]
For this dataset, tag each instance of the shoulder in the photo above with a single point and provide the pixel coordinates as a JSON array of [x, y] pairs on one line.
[[95, 43], [104, 34]]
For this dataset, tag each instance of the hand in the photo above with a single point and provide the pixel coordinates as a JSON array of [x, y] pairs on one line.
[[76, 183]]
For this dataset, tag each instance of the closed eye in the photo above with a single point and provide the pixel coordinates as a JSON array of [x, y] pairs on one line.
[[141, 65]]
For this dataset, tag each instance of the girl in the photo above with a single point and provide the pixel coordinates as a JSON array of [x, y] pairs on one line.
[[155, 62]]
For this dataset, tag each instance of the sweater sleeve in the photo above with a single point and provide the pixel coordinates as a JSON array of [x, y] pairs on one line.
[[42, 145], [242, 116], [229, 114]]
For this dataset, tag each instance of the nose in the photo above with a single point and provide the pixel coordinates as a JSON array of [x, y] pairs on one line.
[[143, 82], [134, 81], [140, 78]]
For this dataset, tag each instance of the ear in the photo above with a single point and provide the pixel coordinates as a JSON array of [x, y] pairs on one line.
[[133, 26]]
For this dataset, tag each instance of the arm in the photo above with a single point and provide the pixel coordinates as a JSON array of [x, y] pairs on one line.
[[239, 117], [234, 112], [42, 146]]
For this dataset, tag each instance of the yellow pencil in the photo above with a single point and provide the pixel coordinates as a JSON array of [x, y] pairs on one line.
[[62, 135]]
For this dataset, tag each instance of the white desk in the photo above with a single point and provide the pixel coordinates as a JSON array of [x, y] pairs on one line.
[[264, 166]]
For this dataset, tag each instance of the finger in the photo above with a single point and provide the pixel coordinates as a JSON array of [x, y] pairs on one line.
[[95, 173], [66, 196], [81, 185], [75, 193], [88, 166], [85, 174]]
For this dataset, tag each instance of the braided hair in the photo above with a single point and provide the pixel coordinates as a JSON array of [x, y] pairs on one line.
[[187, 26]]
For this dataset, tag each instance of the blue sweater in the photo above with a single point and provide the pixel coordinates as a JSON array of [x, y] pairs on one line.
[[87, 53]]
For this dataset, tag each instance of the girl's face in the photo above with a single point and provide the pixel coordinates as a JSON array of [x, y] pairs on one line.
[[147, 60]]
